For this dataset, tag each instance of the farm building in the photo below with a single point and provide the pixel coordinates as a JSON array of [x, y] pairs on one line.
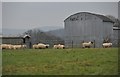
[[85, 27], [116, 37], [17, 40]]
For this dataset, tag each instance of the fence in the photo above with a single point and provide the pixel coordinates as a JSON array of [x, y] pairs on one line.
[[67, 43]]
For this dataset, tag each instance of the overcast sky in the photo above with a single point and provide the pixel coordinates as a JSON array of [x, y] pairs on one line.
[[28, 15]]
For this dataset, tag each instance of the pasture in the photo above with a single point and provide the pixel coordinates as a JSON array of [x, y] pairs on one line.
[[77, 61]]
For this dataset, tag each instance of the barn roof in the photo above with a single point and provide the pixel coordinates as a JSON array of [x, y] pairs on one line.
[[11, 37], [26, 36], [116, 28], [14, 37], [104, 18]]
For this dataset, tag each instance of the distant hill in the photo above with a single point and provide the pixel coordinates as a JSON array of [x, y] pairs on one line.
[[58, 32], [12, 32], [7, 31], [38, 36], [48, 28]]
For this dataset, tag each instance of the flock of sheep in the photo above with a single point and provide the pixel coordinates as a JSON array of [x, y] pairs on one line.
[[89, 44], [35, 46], [43, 46], [10, 46]]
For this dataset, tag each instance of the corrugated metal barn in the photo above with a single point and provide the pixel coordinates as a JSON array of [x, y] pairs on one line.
[[85, 26], [116, 37]]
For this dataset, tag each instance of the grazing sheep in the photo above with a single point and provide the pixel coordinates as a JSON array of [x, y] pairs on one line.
[[19, 46], [16, 46], [87, 44], [47, 45], [55, 46], [35, 46], [40, 46], [59, 46], [24, 46], [6, 46], [10, 46], [107, 45]]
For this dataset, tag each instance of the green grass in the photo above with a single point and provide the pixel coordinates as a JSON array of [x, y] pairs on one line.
[[96, 61]]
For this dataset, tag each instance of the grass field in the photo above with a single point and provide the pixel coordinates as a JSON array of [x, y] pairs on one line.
[[96, 61]]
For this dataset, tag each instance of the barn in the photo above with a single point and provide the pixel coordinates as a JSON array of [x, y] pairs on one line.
[[85, 26], [116, 37]]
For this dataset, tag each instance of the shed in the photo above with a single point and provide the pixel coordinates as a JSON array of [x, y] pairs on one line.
[[27, 40]]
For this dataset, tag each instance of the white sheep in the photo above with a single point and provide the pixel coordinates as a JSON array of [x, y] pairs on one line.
[[40, 46], [106, 45], [19, 46], [59, 46], [35, 46], [47, 45], [16, 46], [24, 46], [87, 44], [6, 46], [10, 46], [55, 46]]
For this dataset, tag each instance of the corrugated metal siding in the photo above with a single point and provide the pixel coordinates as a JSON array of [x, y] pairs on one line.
[[86, 27], [116, 37]]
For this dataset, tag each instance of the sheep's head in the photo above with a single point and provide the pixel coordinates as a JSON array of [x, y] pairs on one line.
[[47, 45], [91, 42]]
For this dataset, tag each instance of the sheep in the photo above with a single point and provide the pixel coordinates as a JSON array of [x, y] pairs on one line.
[[47, 45], [87, 44], [59, 46], [56, 46], [40, 46], [6, 46], [16, 46], [19, 46], [35, 46], [24, 46], [10, 46], [106, 45]]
